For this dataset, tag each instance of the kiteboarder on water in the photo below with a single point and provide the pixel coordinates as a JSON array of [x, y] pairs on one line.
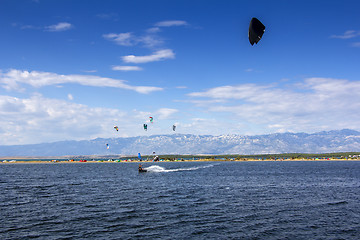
[[141, 168]]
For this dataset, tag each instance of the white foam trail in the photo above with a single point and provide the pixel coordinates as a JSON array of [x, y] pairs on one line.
[[156, 168]]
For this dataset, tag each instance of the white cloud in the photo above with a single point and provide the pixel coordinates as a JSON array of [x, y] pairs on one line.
[[146, 90], [70, 97], [153, 30], [90, 71], [108, 16], [38, 119], [123, 39], [347, 35], [151, 41], [156, 56], [126, 68], [206, 125], [59, 27], [29, 27], [171, 23], [165, 113], [231, 92], [13, 79], [315, 104], [356, 44], [62, 26], [129, 39]]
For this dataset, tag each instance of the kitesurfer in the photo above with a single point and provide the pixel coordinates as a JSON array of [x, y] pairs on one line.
[[141, 169]]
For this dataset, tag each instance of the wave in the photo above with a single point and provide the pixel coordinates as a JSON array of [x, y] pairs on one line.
[[337, 203], [156, 168]]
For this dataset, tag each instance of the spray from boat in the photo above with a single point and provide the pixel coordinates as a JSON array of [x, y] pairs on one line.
[[156, 168]]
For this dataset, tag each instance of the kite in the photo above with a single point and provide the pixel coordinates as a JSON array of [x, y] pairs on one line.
[[256, 30]]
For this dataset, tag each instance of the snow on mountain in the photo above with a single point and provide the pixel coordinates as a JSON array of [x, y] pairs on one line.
[[328, 141]]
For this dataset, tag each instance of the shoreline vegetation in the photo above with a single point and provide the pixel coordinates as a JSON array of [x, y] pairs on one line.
[[344, 156]]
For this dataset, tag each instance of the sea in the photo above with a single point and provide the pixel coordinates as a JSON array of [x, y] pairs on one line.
[[181, 200]]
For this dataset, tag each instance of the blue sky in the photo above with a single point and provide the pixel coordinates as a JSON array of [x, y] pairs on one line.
[[72, 70]]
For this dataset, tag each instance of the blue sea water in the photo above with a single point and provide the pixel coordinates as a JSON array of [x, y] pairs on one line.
[[181, 200]]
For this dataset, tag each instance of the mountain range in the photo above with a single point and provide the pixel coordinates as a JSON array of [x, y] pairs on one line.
[[321, 142]]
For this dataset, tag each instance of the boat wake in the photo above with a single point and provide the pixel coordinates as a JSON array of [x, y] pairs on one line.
[[156, 168]]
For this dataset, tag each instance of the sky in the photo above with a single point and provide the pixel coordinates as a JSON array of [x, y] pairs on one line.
[[74, 69]]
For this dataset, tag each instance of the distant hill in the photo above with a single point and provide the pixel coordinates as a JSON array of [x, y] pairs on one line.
[[322, 142]]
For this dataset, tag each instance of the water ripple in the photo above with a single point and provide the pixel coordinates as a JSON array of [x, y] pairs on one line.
[[272, 200]]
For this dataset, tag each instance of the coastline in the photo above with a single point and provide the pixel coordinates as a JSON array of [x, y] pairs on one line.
[[58, 161]]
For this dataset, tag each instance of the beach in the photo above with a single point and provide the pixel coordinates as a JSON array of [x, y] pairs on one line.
[[83, 161]]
